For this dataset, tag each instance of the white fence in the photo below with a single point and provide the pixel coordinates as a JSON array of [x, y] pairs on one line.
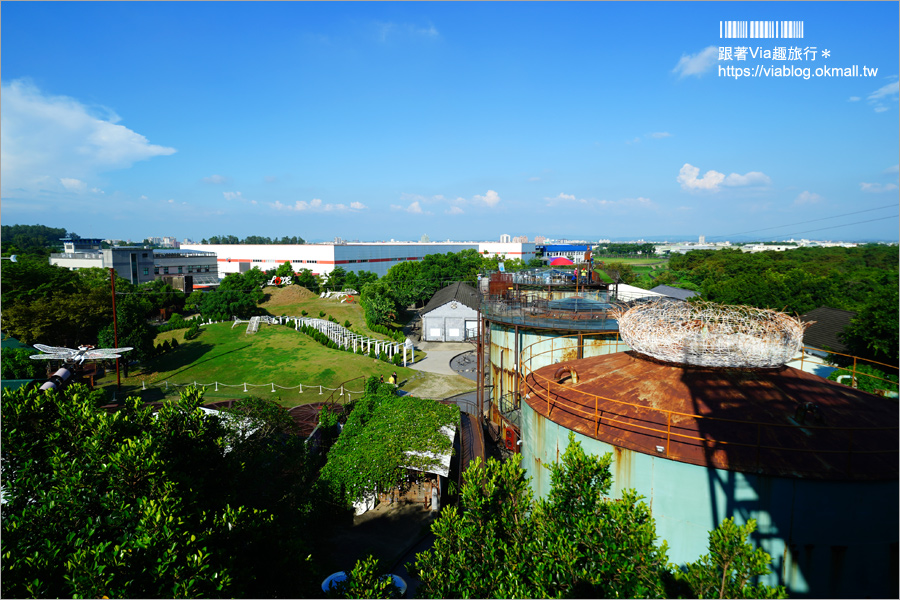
[[320, 389]]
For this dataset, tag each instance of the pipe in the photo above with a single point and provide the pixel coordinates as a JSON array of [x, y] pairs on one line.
[[57, 380], [566, 369]]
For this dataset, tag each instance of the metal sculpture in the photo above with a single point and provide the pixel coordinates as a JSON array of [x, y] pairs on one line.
[[83, 353], [711, 335]]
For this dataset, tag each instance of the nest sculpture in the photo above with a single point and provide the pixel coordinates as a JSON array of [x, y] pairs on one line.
[[711, 335]]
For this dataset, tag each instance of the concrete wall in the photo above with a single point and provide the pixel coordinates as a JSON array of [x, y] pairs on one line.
[[826, 538], [446, 324], [323, 258]]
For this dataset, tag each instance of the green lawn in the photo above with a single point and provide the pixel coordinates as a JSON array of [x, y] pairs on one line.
[[275, 354]]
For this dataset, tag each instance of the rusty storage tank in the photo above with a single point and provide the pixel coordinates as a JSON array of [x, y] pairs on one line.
[[571, 322], [813, 461]]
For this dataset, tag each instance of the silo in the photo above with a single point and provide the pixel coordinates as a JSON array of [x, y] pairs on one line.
[[813, 461]]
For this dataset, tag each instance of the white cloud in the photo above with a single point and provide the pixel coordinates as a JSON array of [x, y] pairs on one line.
[[750, 179], [316, 205], [713, 180], [234, 196], [563, 198], [636, 140], [854, 99], [45, 139], [216, 179], [73, 185], [806, 197], [697, 64], [877, 188], [491, 198], [171, 201], [891, 89], [887, 92], [534, 179], [414, 208], [660, 134], [144, 197], [392, 30], [895, 169], [687, 177], [454, 210]]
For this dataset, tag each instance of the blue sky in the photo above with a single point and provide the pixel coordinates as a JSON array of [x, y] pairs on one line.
[[457, 120]]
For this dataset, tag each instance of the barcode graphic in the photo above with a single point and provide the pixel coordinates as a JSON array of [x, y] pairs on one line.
[[761, 29]]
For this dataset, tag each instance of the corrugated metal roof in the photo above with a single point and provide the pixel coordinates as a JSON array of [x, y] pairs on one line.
[[673, 292], [749, 420], [459, 291], [829, 323]]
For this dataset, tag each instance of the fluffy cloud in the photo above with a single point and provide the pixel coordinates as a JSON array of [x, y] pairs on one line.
[[414, 208], [73, 185], [877, 188], [454, 210], [564, 198], [45, 139], [216, 179], [854, 99], [660, 134], [886, 93], [386, 31], [491, 198], [806, 197], [316, 205], [713, 180], [697, 64], [895, 169]]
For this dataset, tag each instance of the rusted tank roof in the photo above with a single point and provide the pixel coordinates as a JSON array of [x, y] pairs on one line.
[[782, 422]]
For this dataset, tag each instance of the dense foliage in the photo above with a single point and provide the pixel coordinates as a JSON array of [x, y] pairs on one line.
[[577, 543], [31, 239], [16, 364], [416, 282], [384, 434], [626, 248], [253, 239], [238, 295], [862, 279], [132, 504]]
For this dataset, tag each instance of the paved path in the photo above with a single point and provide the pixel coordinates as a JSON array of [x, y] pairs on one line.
[[439, 356]]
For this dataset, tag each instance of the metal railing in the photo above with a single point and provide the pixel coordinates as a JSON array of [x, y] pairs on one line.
[[658, 422]]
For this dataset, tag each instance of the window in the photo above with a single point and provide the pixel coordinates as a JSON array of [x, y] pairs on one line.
[[144, 255], [146, 270], [190, 268], [165, 270], [156, 270], [180, 269], [207, 270]]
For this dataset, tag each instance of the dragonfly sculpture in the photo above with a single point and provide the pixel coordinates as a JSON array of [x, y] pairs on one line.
[[78, 356]]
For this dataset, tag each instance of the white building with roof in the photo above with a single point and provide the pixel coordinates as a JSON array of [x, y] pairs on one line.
[[376, 257]]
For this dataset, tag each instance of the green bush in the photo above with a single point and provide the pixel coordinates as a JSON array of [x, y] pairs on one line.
[[321, 314], [868, 379]]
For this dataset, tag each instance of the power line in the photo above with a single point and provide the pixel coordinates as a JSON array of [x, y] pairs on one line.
[[809, 221], [842, 225]]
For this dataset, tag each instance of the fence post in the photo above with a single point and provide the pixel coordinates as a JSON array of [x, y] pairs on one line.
[[273, 388], [853, 380], [217, 386], [167, 385], [301, 389], [320, 390], [245, 386]]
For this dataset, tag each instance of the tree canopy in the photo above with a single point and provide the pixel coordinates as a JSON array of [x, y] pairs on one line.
[[176, 504], [577, 543]]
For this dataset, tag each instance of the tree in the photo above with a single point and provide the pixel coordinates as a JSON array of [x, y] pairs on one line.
[[405, 279], [17, 364], [501, 543], [133, 330], [731, 565], [284, 270], [31, 239], [224, 304], [132, 504], [306, 279], [619, 271], [873, 332], [379, 303]]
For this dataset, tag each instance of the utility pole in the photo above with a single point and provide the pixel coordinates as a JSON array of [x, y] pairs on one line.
[[112, 280]]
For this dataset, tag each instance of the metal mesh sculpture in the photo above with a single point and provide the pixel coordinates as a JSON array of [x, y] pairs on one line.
[[711, 335]]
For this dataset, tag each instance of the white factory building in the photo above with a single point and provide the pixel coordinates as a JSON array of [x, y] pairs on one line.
[[376, 257]]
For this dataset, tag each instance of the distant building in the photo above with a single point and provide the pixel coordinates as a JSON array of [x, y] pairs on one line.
[[505, 239], [702, 239], [520, 239], [376, 257], [574, 252], [828, 324], [184, 270], [673, 292], [539, 240], [452, 314]]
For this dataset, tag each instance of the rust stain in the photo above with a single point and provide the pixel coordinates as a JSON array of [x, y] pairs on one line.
[[725, 418]]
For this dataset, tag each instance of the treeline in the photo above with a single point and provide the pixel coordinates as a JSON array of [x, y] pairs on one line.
[[31, 239], [626, 249], [862, 279], [253, 239]]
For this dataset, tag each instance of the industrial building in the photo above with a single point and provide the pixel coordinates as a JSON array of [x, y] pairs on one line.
[[814, 462], [376, 257], [451, 315], [183, 269]]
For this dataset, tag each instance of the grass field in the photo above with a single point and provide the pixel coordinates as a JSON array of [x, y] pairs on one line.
[[276, 354]]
